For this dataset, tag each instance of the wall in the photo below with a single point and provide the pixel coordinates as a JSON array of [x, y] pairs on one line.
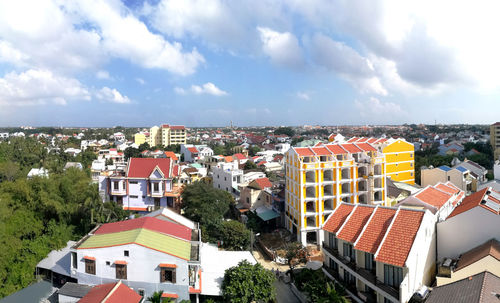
[[472, 228], [488, 263], [67, 299], [432, 176], [142, 268]]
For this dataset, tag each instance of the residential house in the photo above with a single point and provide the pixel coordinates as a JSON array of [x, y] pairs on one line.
[[254, 194], [485, 257], [145, 185], [76, 165], [459, 176], [38, 172], [474, 221], [194, 153], [381, 254], [72, 292], [453, 148], [111, 292], [477, 173], [147, 254], [227, 176]]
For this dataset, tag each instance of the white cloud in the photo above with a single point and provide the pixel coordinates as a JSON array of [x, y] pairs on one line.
[[75, 35], [140, 80], [205, 89], [303, 96], [34, 87], [111, 95], [282, 48], [103, 75], [375, 108]]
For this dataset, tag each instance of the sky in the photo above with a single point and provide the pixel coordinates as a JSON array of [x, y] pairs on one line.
[[281, 62]]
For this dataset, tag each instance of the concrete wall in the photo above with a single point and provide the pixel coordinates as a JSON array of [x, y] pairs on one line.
[[465, 231], [488, 263], [143, 269], [67, 299]]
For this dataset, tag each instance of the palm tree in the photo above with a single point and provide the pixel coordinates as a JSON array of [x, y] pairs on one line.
[[156, 297]]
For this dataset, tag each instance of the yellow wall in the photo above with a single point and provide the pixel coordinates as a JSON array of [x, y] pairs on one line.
[[139, 138], [154, 136], [400, 152]]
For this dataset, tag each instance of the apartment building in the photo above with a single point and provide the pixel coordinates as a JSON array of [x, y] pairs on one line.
[[495, 139], [145, 184], [399, 156], [459, 176], [141, 138], [147, 254], [173, 135], [319, 178], [381, 254]]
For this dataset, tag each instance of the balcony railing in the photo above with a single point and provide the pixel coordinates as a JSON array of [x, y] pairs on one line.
[[362, 272]]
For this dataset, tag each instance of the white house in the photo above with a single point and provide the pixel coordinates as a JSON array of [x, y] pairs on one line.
[[196, 152], [4, 135], [384, 254], [473, 222], [227, 176], [38, 172], [147, 254]]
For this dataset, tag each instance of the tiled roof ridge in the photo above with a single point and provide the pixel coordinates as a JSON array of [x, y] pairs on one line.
[[112, 291], [366, 225], [347, 218], [387, 232]]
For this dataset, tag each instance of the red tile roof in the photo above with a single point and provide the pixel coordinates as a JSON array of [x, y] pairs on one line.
[[434, 197], [239, 156], [399, 240], [371, 237], [447, 188], [363, 139], [469, 202], [355, 223], [354, 139], [165, 126], [351, 148], [193, 150], [303, 151], [263, 183], [143, 167], [336, 149], [337, 218], [177, 127], [171, 154], [150, 223], [372, 140], [366, 147], [111, 293], [321, 151]]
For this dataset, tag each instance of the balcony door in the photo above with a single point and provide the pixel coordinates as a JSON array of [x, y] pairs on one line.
[[157, 203]]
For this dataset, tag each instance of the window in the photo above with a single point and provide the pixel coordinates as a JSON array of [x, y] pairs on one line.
[[167, 275], [116, 185], [74, 261], [449, 178], [133, 182], [393, 275], [134, 197], [156, 187], [411, 174], [411, 164], [90, 266], [108, 263], [411, 155], [125, 253], [121, 271], [332, 240], [349, 251], [248, 200], [369, 262]]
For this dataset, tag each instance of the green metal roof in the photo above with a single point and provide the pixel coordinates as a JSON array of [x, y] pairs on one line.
[[144, 237], [268, 215], [196, 165]]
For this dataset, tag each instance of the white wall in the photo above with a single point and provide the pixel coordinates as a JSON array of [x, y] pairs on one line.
[[465, 231]]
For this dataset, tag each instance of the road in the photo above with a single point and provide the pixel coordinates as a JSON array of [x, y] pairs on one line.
[[284, 294]]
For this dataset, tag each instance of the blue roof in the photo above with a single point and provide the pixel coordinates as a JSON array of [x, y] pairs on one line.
[[462, 169], [444, 167]]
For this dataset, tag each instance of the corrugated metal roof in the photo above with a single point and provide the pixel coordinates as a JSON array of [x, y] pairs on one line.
[[144, 237]]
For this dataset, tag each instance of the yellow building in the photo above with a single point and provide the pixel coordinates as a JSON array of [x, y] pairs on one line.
[[399, 155], [140, 138], [172, 134], [495, 139], [154, 136], [319, 178]]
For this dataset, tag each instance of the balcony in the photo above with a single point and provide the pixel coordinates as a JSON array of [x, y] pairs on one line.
[[368, 277]]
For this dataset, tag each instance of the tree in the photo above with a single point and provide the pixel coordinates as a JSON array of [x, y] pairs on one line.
[[295, 253], [284, 131], [156, 297], [9, 171], [253, 150], [204, 204], [131, 152], [235, 235], [248, 283], [249, 165]]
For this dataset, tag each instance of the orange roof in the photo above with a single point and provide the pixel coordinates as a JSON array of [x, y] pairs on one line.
[[366, 147], [446, 188], [111, 293], [372, 140], [354, 139], [263, 183], [89, 258], [228, 159], [337, 218], [171, 154], [469, 202], [363, 139], [370, 239], [167, 265], [321, 151], [351, 148], [433, 196], [193, 150], [303, 151], [239, 156], [336, 149], [399, 240], [167, 295], [355, 223], [120, 262]]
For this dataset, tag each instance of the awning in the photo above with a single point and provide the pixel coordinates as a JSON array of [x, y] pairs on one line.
[[268, 215], [89, 258], [167, 295], [121, 262], [168, 265]]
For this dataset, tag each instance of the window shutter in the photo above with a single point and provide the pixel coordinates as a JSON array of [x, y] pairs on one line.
[[174, 276], [162, 275]]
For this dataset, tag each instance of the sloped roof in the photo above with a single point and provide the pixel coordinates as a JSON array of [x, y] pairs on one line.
[[469, 202], [446, 188], [371, 237], [366, 147], [153, 224], [239, 156], [489, 248], [355, 223], [263, 183], [303, 151], [479, 288], [193, 150], [399, 239], [433, 197], [337, 218], [171, 154], [143, 167], [321, 151], [111, 293], [336, 149], [351, 148]]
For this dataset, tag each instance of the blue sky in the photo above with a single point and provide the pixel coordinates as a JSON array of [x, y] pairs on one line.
[[209, 62]]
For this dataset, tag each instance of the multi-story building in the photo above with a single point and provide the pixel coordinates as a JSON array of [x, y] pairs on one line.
[[154, 136], [147, 254], [320, 178], [173, 135], [495, 139], [227, 176], [381, 254], [193, 153], [141, 138], [144, 185], [399, 157], [459, 176]]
